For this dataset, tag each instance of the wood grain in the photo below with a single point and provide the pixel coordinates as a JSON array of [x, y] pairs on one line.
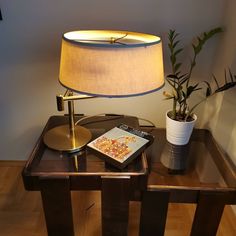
[[21, 211]]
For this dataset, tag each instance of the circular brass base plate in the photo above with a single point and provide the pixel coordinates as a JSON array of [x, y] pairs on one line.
[[59, 138]]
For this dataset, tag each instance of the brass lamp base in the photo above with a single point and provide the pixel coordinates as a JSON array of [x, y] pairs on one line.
[[61, 139]]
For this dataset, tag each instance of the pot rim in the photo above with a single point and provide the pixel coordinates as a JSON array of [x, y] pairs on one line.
[[178, 121]]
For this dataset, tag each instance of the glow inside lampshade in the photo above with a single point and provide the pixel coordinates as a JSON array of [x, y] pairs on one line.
[[111, 63]]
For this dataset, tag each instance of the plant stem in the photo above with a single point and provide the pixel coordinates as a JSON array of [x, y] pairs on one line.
[[191, 69], [174, 109]]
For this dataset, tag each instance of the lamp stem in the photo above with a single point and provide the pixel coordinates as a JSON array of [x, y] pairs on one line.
[[64, 138], [71, 117]]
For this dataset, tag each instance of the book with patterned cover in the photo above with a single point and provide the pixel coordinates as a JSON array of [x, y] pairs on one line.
[[120, 145]]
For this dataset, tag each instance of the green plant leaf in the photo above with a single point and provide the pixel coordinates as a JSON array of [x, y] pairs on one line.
[[199, 39], [206, 36], [178, 51], [171, 33], [175, 43], [168, 95], [177, 66], [208, 89], [208, 92], [182, 76], [231, 76], [184, 80], [175, 35], [168, 98], [215, 81], [172, 80], [226, 87], [191, 89], [170, 83], [225, 76], [172, 76]]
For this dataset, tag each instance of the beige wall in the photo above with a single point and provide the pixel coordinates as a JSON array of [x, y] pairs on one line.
[[220, 111], [30, 36]]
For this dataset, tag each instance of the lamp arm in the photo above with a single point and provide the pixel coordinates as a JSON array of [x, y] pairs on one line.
[[68, 96]]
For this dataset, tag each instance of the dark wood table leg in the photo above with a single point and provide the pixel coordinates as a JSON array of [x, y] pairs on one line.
[[57, 206], [208, 214], [115, 205], [153, 213]]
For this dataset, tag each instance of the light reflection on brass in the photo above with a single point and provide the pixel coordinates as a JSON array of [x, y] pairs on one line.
[[60, 138], [76, 163]]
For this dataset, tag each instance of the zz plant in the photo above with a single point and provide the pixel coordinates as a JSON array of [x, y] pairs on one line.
[[181, 84]]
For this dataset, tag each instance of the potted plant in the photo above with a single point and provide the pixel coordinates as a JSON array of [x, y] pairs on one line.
[[181, 118]]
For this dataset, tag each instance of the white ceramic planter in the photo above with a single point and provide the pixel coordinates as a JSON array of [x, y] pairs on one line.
[[178, 132]]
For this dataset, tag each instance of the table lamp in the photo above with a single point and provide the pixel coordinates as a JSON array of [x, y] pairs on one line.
[[103, 63]]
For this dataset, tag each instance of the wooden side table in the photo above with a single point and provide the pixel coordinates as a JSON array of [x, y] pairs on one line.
[[55, 174], [209, 181]]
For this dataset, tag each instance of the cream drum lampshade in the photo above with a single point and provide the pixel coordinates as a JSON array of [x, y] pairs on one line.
[[111, 63]]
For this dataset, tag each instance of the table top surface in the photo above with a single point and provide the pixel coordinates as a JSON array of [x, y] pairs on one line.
[[47, 162], [202, 163], [207, 167]]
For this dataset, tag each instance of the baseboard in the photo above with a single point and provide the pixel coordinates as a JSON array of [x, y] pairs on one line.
[[12, 163]]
